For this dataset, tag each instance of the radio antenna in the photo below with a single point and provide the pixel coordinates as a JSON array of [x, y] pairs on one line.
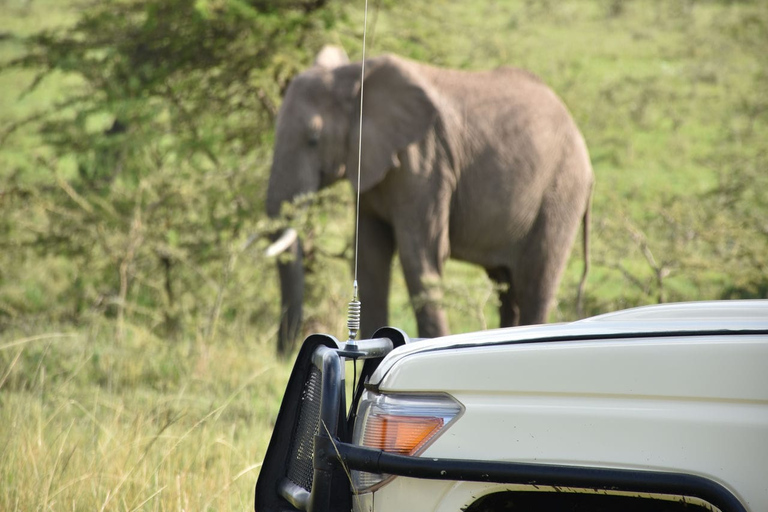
[[354, 308]]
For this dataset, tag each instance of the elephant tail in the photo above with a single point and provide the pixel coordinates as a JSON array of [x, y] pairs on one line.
[[585, 242]]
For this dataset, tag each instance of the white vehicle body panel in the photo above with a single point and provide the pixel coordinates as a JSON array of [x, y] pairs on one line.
[[681, 388]]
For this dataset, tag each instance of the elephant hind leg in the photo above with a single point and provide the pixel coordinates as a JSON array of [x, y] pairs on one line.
[[542, 262], [509, 312]]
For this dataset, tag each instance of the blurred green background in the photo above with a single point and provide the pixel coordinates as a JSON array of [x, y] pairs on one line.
[[137, 330]]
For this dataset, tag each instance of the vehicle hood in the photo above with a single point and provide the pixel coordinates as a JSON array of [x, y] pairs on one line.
[[657, 321]]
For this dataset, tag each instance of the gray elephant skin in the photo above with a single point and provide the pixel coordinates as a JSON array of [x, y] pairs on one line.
[[487, 167]]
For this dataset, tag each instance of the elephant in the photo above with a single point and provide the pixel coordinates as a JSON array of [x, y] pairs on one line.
[[487, 167]]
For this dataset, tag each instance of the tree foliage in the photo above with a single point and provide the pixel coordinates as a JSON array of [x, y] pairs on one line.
[[159, 153], [158, 150]]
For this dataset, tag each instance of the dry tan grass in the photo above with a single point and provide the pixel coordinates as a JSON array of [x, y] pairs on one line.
[[189, 439]]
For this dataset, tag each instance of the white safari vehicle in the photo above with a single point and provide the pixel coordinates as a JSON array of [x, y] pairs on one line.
[[659, 408]]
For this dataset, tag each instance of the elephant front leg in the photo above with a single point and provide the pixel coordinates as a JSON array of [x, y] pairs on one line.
[[427, 305], [376, 248], [423, 275]]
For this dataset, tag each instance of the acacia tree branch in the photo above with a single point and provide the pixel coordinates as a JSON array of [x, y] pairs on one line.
[[39, 116], [190, 123], [660, 271]]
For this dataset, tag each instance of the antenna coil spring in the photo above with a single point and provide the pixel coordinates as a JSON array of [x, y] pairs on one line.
[[353, 318]]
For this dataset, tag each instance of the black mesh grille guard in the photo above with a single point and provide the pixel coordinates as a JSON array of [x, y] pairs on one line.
[[313, 401], [295, 475], [300, 468]]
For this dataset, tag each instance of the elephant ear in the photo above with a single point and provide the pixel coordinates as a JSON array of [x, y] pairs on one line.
[[331, 57], [397, 112]]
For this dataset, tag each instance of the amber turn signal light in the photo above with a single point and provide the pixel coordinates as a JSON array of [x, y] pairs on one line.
[[400, 434], [404, 424]]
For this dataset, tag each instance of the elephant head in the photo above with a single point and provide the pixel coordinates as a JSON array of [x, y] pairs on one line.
[[316, 143]]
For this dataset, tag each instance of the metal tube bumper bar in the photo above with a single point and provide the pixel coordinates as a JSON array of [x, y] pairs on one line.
[[652, 482], [374, 348]]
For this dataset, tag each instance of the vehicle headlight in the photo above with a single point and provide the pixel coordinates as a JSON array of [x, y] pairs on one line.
[[399, 423]]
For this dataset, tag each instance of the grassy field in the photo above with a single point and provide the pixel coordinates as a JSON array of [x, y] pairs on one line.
[[91, 424], [672, 97]]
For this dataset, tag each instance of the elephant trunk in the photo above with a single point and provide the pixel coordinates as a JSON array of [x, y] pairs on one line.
[[288, 249], [284, 187], [291, 271]]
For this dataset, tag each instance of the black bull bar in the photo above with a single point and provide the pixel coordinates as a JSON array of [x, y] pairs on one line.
[[309, 457]]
